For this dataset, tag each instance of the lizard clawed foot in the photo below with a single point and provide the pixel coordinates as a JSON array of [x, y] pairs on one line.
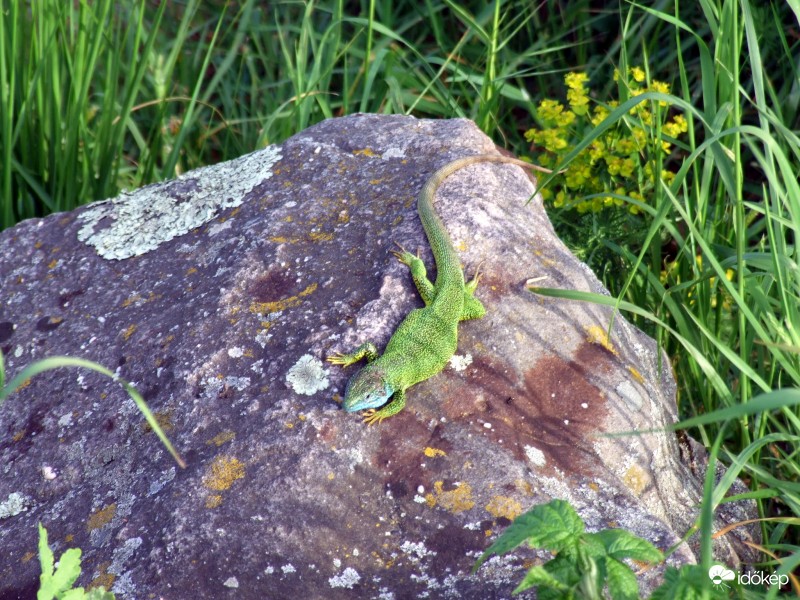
[[372, 416], [338, 358], [404, 256]]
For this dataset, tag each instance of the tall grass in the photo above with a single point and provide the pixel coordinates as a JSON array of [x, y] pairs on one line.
[[724, 302], [98, 96]]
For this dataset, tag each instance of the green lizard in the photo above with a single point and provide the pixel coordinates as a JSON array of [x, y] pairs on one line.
[[425, 341]]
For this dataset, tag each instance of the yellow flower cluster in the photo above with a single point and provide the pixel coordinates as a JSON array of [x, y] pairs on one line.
[[618, 167]]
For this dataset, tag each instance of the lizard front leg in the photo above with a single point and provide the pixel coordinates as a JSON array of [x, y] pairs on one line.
[[366, 350], [395, 405]]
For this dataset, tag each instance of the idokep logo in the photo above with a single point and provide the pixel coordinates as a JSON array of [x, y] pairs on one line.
[[719, 575]]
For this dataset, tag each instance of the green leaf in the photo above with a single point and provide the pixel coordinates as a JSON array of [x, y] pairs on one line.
[[68, 570], [621, 544], [554, 526], [539, 576], [73, 594], [621, 581], [46, 560]]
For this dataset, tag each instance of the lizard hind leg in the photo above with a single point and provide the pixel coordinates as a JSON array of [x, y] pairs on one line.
[[473, 308], [419, 274]]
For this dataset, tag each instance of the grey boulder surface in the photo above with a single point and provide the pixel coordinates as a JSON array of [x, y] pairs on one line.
[[219, 295]]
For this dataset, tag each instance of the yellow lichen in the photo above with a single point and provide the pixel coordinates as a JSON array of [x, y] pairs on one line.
[[164, 420], [455, 501], [104, 578], [433, 452], [278, 305], [213, 501], [320, 236], [126, 335], [598, 335], [636, 479], [28, 556], [365, 152], [52, 264], [101, 517], [503, 506], [636, 375], [223, 472], [221, 438]]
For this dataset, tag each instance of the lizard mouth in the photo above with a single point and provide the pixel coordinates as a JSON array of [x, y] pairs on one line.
[[367, 389]]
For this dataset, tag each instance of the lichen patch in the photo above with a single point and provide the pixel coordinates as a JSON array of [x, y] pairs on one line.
[[135, 223]]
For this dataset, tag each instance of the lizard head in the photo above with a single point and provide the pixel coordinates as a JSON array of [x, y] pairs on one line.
[[366, 389]]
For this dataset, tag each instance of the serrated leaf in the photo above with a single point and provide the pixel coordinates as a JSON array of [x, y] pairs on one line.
[[46, 559], [557, 527], [46, 589], [621, 544], [537, 576], [621, 580], [68, 570], [554, 526]]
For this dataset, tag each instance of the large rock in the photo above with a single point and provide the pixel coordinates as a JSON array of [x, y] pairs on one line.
[[219, 294]]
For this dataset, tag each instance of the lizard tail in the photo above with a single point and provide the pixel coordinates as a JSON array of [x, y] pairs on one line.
[[447, 261]]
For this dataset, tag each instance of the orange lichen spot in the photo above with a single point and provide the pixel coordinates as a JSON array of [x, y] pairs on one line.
[[104, 578], [462, 246], [101, 517], [164, 420], [594, 487], [213, 501], [375, 181], [278, 305], [288, 218], [636, 375], [221, 438], [331, 476], [289, 425], [131, 300], [19, 435], [524, 486], [636, 479], [598, 335], [28, 556], [23, 385], [223, 472], [52, 264], [68, 538], [279, 239], [488, 532], [502, 506], [365, 152], [38, 245], [191, 270], [344, 217], [455, 501], [320, 236], [433, 452], [126, 335]]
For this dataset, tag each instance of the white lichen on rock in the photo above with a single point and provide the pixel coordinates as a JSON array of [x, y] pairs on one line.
[[460, 363], [136, 223], [307, 376], [13, 505], [346, 579]]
